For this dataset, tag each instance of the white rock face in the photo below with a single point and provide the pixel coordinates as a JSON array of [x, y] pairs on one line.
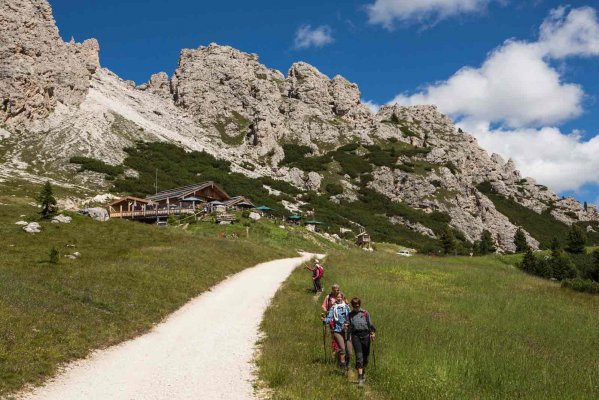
[[38, 68], [56, 102]]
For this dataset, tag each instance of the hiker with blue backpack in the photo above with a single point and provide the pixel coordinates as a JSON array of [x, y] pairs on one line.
[[339, 315], [362, 333]]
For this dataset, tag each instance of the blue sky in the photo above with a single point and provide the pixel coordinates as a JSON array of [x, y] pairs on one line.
[[409, 50]]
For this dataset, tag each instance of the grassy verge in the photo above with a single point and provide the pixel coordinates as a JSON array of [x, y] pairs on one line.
[[448, 328], [129, 276]]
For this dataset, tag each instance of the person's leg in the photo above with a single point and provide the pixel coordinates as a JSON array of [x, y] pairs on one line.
[[357, 347], [366, 349], [341, 344], [315, 285]]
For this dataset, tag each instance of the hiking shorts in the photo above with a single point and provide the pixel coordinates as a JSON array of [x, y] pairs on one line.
[[340, 339]]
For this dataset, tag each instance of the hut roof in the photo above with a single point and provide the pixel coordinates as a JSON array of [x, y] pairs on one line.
[[239, 201], [313, 222], [185, 191], [139, 200], [264, 208]]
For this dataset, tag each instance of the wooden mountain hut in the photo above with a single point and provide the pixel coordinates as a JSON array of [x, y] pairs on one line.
[[129, 207], [363, 240], [239, 203], [206, 191]]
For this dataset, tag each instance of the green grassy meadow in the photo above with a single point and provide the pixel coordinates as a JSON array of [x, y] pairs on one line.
[[130, 276], [472, 328]]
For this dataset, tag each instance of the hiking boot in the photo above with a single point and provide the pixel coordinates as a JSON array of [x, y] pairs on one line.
[[361, 380]]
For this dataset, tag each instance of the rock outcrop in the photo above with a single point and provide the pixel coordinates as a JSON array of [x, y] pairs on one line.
[[56, 102], [37, 68]]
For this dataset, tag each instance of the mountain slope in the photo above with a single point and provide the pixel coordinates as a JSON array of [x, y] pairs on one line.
[[266, 124]]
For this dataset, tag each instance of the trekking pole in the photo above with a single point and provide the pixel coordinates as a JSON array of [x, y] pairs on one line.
[[373, 352], [324, 339]]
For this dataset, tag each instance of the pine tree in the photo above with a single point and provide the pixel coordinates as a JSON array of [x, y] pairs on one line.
[[447, 241], [487, 244], [577, 239], [47, 201], [586, 206], [529, 262], [555, 247], [563, 267], [520, 241]]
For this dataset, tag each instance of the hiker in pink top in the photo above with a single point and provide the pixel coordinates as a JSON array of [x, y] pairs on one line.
[[329, 301]]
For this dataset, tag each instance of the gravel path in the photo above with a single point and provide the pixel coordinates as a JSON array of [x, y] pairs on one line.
[[202, 351]]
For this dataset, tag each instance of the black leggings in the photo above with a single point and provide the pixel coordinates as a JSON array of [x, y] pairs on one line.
[[361, 344]]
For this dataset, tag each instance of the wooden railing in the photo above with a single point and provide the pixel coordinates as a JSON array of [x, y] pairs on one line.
[[152, 213]]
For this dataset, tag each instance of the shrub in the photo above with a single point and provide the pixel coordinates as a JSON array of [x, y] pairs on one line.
[[91, 164], [349, 147], [520, 241], [576, 240], [562, 267], [294, 153], [352, 164], [53, 257], [581, 285], [334, 189], [447, 241], [529, 262], [486, 244], [47, 201]]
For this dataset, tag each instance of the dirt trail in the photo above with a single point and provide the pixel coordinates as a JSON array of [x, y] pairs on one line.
[[202, 351]]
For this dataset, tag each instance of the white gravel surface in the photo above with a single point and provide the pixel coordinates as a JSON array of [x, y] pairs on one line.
[[202, 351]]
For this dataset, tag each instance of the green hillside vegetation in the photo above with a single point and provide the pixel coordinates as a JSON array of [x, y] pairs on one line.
[[543, 227], [91, 164], [129, 276], [453, 327], [176, 167]]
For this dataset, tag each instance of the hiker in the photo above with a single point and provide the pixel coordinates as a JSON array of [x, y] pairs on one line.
[[362, 333], [317, 274], [329, 301], [339, 314]]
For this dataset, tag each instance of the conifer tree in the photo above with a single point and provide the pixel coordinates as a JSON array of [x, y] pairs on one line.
[[520, 241], [447, 241], [586, 206], [47, 201], [577, 240], [529, 262], [487, 244], [563, 267], [555, 247]]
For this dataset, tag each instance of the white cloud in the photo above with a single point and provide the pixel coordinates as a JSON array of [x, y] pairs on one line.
[[514, 86], [374, 107], [306, 37], [386, 12], [560, 161], [517, 88]]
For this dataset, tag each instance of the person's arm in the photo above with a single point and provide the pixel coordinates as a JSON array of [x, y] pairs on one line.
[[329, 316], [371, 327], [325, 304]]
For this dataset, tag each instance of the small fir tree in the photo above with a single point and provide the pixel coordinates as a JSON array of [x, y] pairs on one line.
[[487, 244], [447, 241], [544, 268], [529, 262], [54, 256], [520, 241], [563, 267], [47, 201], [577, 240], [586, 206]]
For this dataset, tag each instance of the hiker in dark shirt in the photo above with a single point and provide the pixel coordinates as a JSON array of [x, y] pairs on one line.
[[362, 333]]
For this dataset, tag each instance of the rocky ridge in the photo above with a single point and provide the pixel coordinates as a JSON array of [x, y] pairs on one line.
[[58, 102]]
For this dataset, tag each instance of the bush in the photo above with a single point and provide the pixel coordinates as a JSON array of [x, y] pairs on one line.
[[334, 189], [91, 164], [352, 164], [46, 201], [54, 256], [581, 285], [349, 147], [576, 240], [520, 241]]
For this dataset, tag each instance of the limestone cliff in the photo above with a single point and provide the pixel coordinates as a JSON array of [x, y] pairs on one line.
[[56, 102]]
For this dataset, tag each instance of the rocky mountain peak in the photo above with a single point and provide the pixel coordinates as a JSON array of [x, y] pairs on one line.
[[38, 68]]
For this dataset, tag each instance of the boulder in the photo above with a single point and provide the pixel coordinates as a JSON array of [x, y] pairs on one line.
[[62, 219], [32, 227], [255, 216], [97, 213], [21, 223]]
